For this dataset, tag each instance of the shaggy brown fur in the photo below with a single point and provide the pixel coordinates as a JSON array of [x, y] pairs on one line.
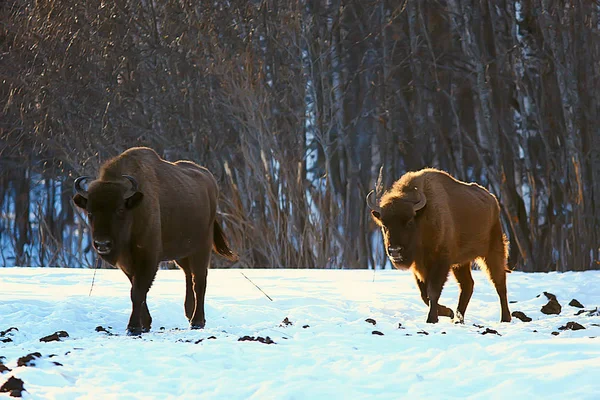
[[171, 215], [457, 224]]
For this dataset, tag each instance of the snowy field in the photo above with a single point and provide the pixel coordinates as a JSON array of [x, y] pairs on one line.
[[328, 352]]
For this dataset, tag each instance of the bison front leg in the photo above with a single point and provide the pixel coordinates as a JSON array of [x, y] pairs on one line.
[[140, 319], [434, 285], [190, 298], [442, 310], [198, 319]]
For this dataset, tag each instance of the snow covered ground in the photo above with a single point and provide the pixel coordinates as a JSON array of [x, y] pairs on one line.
[[328, 352]]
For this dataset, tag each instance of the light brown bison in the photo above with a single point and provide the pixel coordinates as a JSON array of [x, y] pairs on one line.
[[433, 224], [143, 210]]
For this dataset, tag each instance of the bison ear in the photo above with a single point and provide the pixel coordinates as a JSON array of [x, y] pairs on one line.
[[376, 216], [134, 200], [80, 201]]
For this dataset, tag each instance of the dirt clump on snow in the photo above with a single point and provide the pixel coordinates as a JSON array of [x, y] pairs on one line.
[[14, 386], [4, 338], [571, 326], [575, 303], [28, 360], [550, 296], [552, 307], [490, 331], [12, 328], [100, 328], [265, 340], [201, 340], [3, 368], [371, 321], [521, 315], [590, 313], [55, 337]]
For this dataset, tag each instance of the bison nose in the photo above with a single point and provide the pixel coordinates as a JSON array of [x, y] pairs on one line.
[[103, 246], [395, 251]]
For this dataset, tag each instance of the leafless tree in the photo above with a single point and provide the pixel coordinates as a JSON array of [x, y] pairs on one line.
[[295, 106]]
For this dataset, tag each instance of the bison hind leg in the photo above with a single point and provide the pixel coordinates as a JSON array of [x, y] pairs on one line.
[[445, 311], [199, 270], [463, 276], [497, 275], [494, 264], [146, 319]]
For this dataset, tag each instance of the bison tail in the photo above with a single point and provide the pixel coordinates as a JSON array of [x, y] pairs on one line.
[[506, 246], [220, 244], [498, 251]]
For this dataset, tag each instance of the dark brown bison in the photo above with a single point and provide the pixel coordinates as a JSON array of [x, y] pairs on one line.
[[143, 210], [434, 224]]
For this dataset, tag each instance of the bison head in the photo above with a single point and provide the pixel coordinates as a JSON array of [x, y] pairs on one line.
[[398, 217], [108, 205]]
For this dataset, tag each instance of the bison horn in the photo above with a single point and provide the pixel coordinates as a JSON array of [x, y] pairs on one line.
[[421, 203], [134, 186], [78, 185], [371, 202]]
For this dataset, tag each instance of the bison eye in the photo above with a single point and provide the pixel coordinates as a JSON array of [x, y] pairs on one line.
[[410, 223], [120, 212], [90, 215]]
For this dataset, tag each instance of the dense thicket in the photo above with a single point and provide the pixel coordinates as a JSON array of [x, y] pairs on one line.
[[295, 105]]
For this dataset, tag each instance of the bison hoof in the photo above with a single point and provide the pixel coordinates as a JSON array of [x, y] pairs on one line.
[[460, 319], [197, 325], [432, 320], [134, 331]]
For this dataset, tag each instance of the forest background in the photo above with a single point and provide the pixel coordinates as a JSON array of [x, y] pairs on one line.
[[295, 106]]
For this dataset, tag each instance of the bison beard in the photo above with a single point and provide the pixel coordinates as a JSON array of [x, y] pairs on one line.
[[143, 210], [434, 224]]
